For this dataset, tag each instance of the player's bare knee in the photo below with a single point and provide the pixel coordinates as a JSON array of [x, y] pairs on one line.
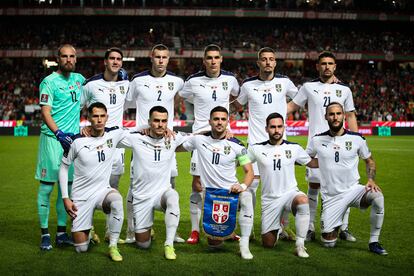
[[144, 244], [329, 239], [143, 238], [314, 185], [215, 243], [269, 239]]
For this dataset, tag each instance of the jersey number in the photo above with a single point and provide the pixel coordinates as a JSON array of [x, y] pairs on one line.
[[216, 158], [73, 94], [326, 101], [101, 156], [159, 95], [336, 156], [157, 154], [214, 95], [276, 164], [112, 98], [267, 98]]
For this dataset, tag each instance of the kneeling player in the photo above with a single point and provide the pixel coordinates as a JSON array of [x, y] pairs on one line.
[[92, 157], [276, 160], [338, 153], [151, 189]]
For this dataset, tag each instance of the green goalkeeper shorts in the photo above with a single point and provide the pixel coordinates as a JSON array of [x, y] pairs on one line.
[[49, 158]]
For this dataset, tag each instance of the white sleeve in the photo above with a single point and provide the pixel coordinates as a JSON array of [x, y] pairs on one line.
[[251, 154], [126, 140], [85, 96], [311, 148], [235, 88], [243, 96], [190, 144], [349, 102], [292, 90], [363, 150], [301, 97], [64, 170], [302, 157], [182, 137], [187, 91]]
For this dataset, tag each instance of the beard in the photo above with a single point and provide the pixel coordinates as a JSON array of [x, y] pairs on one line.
[[335, 128], [67, 68]]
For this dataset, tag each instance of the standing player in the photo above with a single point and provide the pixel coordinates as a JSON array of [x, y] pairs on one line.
[[338, 152], [264, 94], [111, 89], [151, 188], [155, 87], [206, 90], [276, 160], [217, 160], [60, 107], [92, 157], [317, 94]]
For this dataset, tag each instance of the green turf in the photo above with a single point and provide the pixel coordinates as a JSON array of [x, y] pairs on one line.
[[19, 230]]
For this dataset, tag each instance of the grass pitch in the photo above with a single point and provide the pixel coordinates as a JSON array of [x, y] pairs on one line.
[[20, 234]]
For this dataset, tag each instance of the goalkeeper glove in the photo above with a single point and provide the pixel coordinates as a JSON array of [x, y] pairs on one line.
[[64, 139]]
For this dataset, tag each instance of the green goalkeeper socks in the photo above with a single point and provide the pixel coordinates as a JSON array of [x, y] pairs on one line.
[[43, 204]]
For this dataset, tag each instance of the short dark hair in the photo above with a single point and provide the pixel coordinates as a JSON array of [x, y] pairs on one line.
[[159, 109], [66, 45], [96, 105], [160, 47], [219, 109], [265, 50], [211, 47], [325, 54], [334, 103], [273, 115], [113, 49]]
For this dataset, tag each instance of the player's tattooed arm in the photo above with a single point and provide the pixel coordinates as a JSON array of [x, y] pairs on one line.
[[371, 168]]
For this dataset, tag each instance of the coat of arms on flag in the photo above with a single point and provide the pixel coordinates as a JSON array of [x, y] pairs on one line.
[[220, 213], [171, 85], [348, 145], [225, 85], [338, 93]]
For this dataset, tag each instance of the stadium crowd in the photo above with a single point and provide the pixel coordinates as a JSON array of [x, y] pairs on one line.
[[184, 34]]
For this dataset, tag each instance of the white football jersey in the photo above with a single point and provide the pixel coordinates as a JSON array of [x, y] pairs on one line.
[[217, 159], [277, 167], [318, 95], [206, 93], [264, 98], [111, 93], [338, 160], [92, 158], [148, 91], [152, 162]]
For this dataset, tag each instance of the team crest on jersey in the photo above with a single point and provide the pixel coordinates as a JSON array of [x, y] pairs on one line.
[[278, 87], [227, 150], [338, 93], [221, 210], [122, 89], [288, 154], [167, 144], [348, 145], [171, 85], [225, 85], [109, 143]]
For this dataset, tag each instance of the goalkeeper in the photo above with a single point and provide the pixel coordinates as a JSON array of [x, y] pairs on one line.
[[60, 107]]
